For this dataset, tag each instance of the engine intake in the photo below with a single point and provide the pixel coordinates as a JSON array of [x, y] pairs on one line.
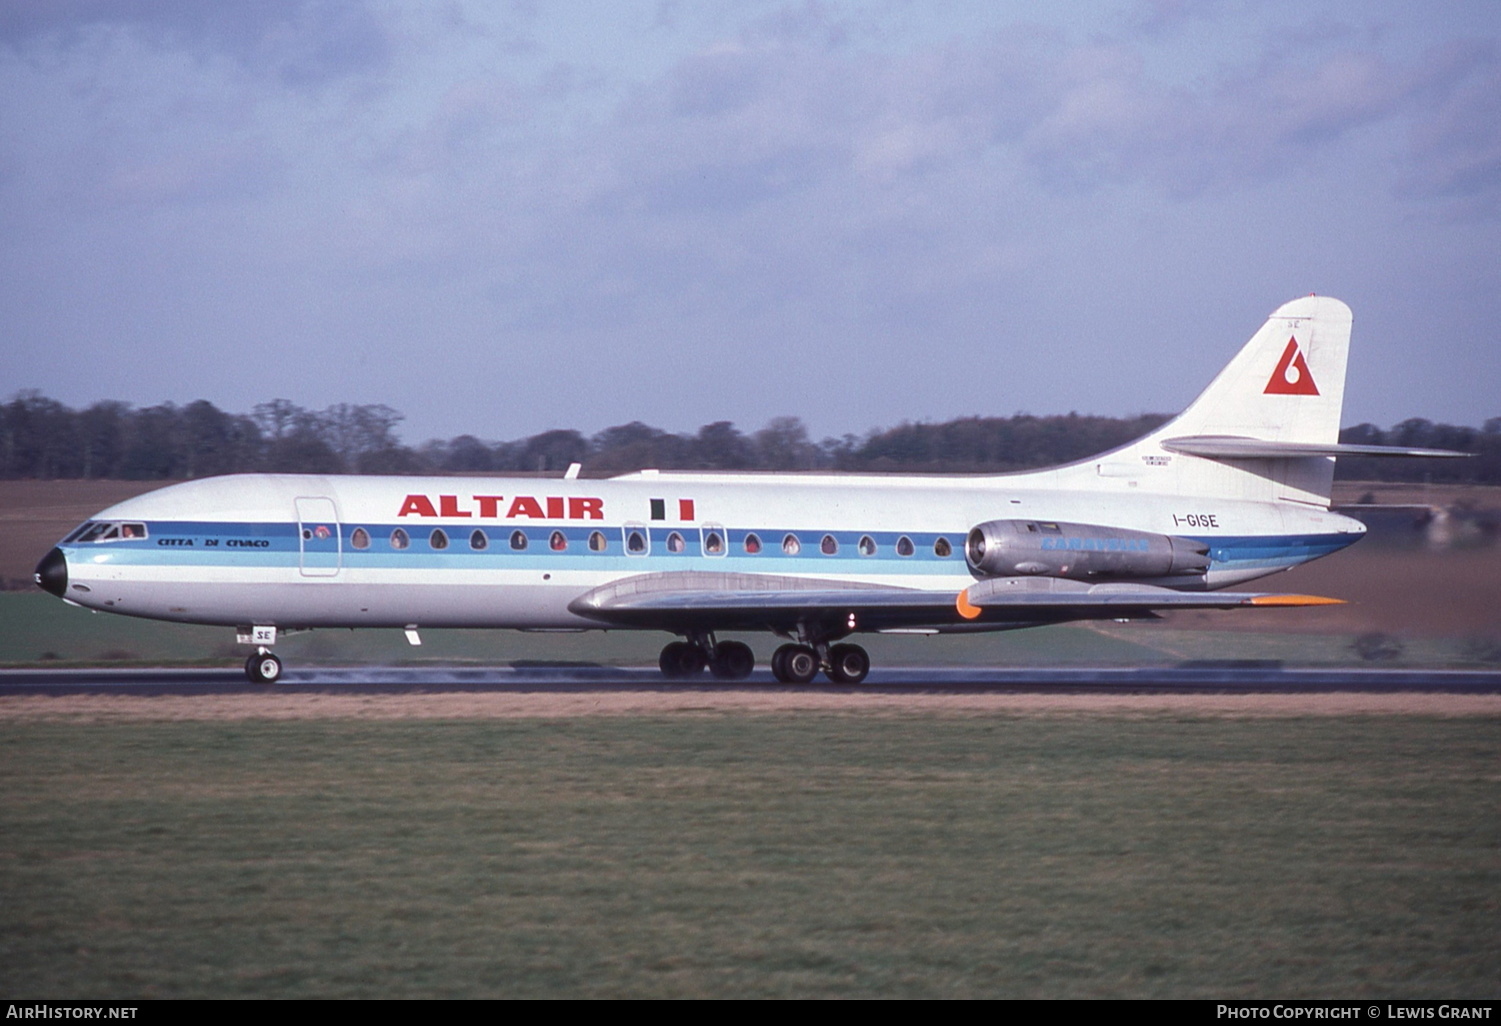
[[1017, 548]]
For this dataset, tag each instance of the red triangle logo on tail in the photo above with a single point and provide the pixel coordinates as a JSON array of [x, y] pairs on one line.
[[1291, 376]]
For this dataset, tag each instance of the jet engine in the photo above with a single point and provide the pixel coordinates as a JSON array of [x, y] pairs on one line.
[[1018, 548]]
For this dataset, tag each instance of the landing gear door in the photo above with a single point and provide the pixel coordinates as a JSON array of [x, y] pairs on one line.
[[318, 537]]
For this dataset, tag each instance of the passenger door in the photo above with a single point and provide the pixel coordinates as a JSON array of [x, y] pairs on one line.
[[319, 541]]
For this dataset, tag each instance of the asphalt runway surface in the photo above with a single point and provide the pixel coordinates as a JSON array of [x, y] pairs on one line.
[[1187, 678]]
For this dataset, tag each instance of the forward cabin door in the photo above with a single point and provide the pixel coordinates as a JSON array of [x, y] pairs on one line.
[[318, 537]]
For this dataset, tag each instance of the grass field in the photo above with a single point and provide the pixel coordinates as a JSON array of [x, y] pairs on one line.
[[759, 856]]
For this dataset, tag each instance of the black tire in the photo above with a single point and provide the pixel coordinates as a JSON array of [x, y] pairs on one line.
[[779, 662], [848, 664], [680, 660], [733, 660], [795, 664], [263, 668]]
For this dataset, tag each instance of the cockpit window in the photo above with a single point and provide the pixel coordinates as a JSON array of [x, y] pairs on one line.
[[108, 531], [73, 534]]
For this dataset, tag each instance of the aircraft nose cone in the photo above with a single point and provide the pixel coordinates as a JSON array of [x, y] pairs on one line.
[[52, 572]]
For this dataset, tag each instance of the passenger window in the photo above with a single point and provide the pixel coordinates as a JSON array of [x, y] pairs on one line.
[[867, 545], [557, 542], [635, 543], [675, 542], [438, 539], [360, 539], [597, 542], [791, 546], [713, 544], [828, 546], [942, 549], [752, 544], [479, 540], [399, 539], [904, 546], [518, 540]]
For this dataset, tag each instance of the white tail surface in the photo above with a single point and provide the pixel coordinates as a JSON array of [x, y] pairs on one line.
[[1286, 385]]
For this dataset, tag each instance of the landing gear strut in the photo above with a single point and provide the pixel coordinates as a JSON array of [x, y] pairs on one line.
[[726, 660], [263, 668]]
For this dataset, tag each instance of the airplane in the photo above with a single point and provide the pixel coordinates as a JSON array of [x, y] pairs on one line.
[[1235, 488]]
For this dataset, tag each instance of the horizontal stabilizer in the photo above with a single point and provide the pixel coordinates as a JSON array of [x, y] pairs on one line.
[[1231, 447]]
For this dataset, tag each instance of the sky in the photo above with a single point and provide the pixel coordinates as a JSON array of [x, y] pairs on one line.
[[504, 218]]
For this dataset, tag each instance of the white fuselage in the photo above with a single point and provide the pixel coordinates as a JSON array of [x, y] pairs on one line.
[[307, 551]]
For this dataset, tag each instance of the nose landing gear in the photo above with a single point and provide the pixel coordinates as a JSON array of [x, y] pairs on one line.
[[263, 668]]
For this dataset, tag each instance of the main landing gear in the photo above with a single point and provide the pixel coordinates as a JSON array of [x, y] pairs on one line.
[[263, 668], [791, 664], [799, 664], [727, 660]]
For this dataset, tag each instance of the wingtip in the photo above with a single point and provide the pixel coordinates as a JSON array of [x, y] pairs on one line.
[[1296, 600]]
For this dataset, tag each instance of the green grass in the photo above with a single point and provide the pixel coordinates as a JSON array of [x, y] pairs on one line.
[[36, 629], [816, 855]]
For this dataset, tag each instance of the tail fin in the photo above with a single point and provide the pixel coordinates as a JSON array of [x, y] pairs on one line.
[[1285, 390], [1286, 385]]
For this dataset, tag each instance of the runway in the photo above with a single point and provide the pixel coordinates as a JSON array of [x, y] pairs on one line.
[[1187, 678]]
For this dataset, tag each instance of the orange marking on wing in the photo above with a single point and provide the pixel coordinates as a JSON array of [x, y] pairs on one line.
[[967, 609], [1295, 600]]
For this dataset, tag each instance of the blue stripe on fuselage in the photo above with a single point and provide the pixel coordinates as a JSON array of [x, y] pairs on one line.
[[200, 543]]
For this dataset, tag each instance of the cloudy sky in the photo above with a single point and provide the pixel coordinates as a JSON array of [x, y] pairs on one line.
[[504, 218]]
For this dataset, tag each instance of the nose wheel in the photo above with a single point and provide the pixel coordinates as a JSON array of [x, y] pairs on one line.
[[263, 668]]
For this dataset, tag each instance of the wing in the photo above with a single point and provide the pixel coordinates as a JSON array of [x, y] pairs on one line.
[[697, 600]]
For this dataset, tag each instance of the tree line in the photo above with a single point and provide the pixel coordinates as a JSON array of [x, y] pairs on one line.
[[43, 438]]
